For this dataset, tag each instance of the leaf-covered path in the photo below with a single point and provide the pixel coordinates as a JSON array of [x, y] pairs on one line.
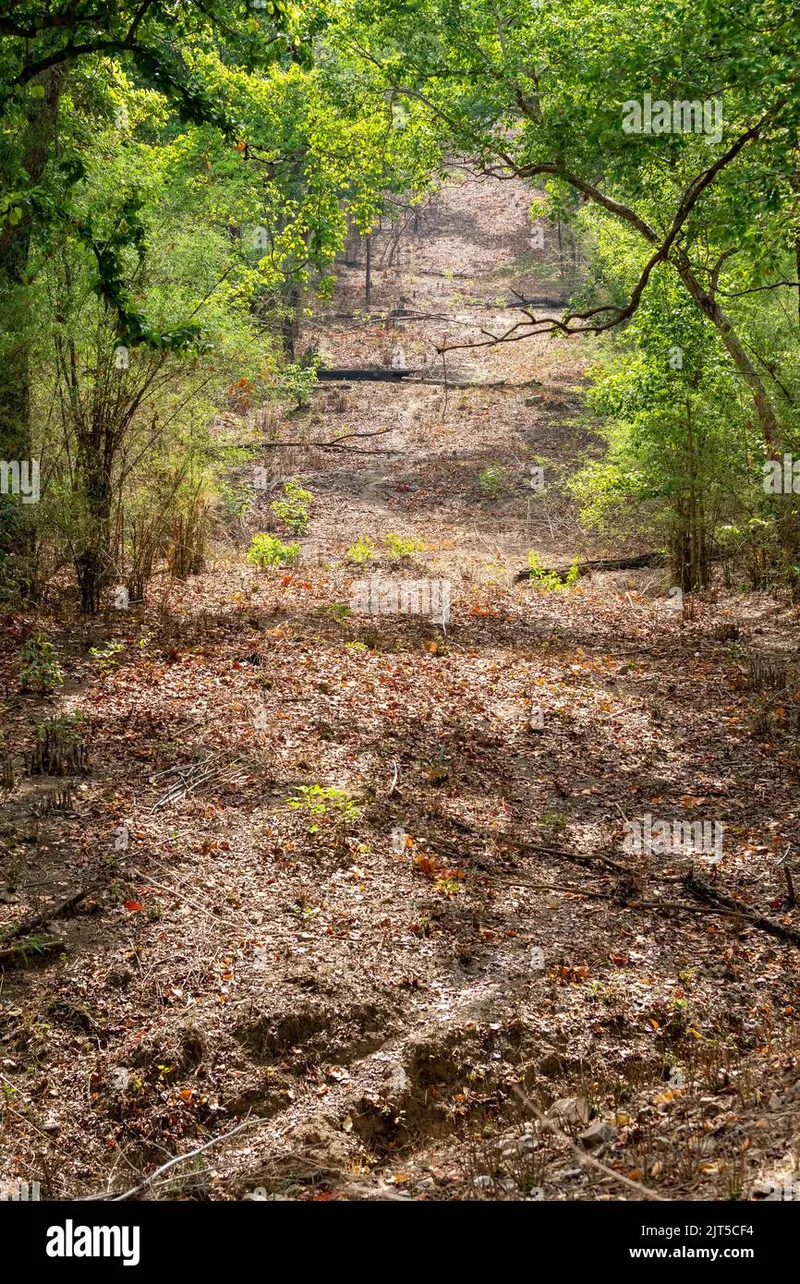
[[375, 981]]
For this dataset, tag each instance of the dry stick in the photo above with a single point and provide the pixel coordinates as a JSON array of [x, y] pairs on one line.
[[51, 1141], [177, 791], [36, 921], [577, 857], [588, 1161], [173, 891], [550, 887], [179, 1159], [313, 1167], [395, 775], [609, 896], [702, 888]]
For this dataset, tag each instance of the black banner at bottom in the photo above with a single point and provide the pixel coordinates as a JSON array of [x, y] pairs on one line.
[[155, 1239]]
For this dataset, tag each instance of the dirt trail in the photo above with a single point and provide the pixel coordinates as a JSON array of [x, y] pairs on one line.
[[375, 1002]]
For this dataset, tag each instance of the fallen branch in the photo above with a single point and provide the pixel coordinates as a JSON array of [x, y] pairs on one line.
[[325, 445], [614, 897], [22, 950], [706, 890], [395, 777], [506, 840], [588, 1161], [172, 1163], [27, 926], [551, 887], [378, 374]]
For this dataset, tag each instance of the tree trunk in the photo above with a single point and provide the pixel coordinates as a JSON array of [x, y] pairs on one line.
[[15, 241], [93, 564], [767, 419]]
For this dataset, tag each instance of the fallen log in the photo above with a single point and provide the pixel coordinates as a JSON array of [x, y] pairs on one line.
[[599, 564], [378, 374], [18, 954]]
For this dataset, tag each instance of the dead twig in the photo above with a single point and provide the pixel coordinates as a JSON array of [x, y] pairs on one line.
[[172, 1163], [588, 1161]]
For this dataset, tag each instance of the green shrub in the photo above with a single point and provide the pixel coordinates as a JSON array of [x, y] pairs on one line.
[[360, 552], [293, 511], [59, 748], [299, 381], [550, 581], [339, 611], [324, 803], [492, 480], [401, 548], [267, 550], [41, 670], [107, 655]]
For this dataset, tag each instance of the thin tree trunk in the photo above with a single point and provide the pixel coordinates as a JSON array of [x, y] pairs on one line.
[[15, 242], [765, 410]]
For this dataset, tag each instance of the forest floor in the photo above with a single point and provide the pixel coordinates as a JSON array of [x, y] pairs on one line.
[[462, 986]]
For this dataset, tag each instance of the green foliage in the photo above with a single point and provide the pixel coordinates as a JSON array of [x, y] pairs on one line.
[[339, 611], [544, 91], [40, 670], [555, 820], [400, 548], [298, 381], [361, 552], [672, 412], [106, 657], [267, 550], [130, 203], [293, 510], [59, 748], [550, 581], [325, 804], [492, 480]]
